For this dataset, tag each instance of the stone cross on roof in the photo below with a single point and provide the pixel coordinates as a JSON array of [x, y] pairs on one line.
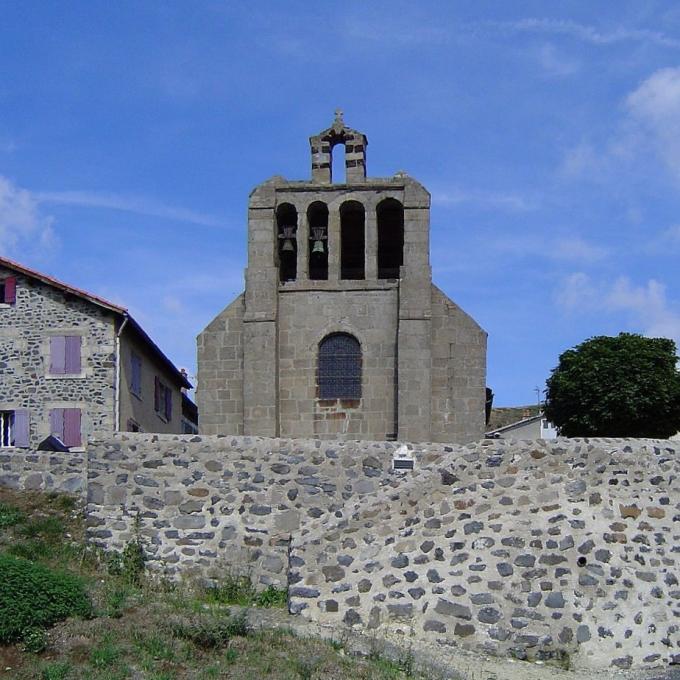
[[338, 117]]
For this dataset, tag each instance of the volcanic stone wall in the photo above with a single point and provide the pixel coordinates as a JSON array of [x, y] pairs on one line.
[[213, 505], [43, 470], [564, 548]]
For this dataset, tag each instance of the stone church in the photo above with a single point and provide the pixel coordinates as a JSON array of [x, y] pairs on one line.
[[340, 332]]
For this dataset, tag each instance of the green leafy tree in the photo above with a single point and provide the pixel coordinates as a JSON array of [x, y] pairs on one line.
[[623, 386]]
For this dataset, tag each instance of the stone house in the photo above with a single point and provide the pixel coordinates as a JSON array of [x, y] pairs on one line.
[[72, 364], [340, 332]]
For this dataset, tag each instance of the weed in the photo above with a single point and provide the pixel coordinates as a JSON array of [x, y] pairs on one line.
[[115, 597], [66, 503], [230, 655], [10, 516], [213, 631], [156, 646], [34, 549], [131, 562], [271, 596], [56, 671], [239, 589], [50, 528], [305, 668], [104, 655], [233, 589], [34, 640]]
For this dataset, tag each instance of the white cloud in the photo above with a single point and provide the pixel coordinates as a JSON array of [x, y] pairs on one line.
[[139, 205], [584, 32], [646, 306], [21, 223], [655, 106], [485, 199]]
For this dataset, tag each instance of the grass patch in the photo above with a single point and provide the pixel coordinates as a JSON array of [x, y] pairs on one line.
[[211, 631]]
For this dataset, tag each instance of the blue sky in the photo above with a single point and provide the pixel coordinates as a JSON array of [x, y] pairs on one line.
[[548, 134]]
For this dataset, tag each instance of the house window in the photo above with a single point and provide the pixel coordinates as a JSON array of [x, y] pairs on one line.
[[339, 367], [163, 400], [136, 376], [65, 354], [65, 425], [8, 290], [14, 428]]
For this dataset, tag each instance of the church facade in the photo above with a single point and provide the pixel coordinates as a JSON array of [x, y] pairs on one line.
[[340, 332]]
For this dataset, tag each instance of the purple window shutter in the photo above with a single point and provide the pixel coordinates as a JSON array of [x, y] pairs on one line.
[[72, 427], [72, 354], [10, 290], [57, 423], [57, 355], [156, 394], [21, 428], [168, 404]]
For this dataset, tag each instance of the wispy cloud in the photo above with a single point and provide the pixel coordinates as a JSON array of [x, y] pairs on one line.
[[646, 305], [21, 223], [564, 249], [555, 64], [584, 32], [491, 200], [140, 205]]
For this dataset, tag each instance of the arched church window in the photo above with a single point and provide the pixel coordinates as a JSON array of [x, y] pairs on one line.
[[317, 217], [339, 367], [390, 214], [286, 221], [352, 240]]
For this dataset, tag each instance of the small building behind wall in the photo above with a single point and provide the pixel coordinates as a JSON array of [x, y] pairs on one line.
[[340, 331], [73, 364]]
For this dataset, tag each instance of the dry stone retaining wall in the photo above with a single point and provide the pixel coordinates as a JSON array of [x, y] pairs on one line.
[[539, 549], [211, 505]]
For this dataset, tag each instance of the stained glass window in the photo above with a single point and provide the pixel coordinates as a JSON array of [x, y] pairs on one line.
[[339, 367]]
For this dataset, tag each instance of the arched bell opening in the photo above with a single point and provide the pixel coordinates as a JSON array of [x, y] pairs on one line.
[[286, 222], [390, 216], [338, 163], [317, 218], [352, 240]]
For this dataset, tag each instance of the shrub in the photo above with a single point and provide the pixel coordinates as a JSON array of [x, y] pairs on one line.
[[34, 596]]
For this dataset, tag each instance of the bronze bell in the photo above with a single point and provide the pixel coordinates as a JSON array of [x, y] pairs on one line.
[[318, 247], [287, 236]]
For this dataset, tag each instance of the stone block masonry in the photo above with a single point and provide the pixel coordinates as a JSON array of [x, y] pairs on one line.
[[530, 549]]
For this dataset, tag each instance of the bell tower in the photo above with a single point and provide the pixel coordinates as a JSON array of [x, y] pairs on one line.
[[340, 332], [322, 151]]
